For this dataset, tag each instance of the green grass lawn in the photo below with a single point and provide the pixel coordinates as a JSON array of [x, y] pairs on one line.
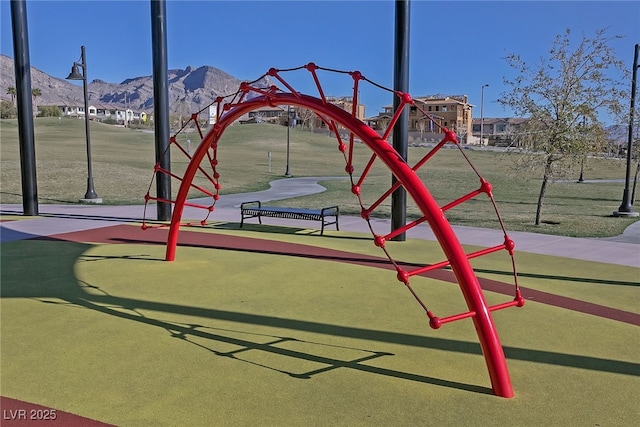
[[252, 155]]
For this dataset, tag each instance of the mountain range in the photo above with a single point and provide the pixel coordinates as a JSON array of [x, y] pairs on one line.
[[190, 89]]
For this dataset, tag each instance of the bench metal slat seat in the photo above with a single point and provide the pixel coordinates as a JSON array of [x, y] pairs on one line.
[[255, 209]]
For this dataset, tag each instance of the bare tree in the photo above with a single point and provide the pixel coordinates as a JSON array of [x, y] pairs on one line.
[[563, 96], [306, 117], [422, 125]]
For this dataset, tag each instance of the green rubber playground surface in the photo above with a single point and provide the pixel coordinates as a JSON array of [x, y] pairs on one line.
[[277, 326]]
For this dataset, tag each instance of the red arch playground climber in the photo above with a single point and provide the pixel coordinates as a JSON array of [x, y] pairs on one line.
[[203, 162]]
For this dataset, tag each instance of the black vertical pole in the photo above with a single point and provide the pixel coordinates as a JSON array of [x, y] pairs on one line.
[[22, 67], [90, 194], [287, 172], [401, 130], [626, 208], [161, 104]]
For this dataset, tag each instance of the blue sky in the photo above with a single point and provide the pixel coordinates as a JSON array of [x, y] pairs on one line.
[[455, 46]]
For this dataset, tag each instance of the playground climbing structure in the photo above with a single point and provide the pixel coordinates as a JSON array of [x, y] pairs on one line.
[[203, 162]]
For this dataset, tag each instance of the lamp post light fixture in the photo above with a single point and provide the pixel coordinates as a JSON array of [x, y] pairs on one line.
[[626, 208], [482, 113], [90, 196]]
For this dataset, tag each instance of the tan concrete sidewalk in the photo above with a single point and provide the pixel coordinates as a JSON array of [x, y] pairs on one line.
[[55, 219]]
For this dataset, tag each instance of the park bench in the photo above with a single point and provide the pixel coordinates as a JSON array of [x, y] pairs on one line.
[[327, 216]]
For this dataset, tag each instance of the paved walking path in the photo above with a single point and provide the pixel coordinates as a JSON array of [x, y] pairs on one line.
[[55, 219]]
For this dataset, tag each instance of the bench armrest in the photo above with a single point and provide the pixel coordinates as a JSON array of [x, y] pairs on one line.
[[242, 205], [330, 208]]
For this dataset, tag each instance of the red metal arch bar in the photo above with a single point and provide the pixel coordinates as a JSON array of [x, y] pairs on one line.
[[465, 275]]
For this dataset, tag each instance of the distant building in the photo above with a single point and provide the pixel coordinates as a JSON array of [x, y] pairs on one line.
[[276, 115], [431, 114], [299, 115], [344, 102], [103, 112], [501, 131], [76, 110]]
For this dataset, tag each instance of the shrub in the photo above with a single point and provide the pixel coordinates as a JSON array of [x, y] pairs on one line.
[[7, 110]]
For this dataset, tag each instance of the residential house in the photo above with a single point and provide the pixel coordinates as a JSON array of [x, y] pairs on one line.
[[431, 115], [500, 131], [74, 110], [102, 112], [275, 115], [344, 102], [300, 115]]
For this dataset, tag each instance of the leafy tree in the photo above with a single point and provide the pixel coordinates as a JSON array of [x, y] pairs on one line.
[[563, 95], [7, 110], [35, 92], [50, 111]]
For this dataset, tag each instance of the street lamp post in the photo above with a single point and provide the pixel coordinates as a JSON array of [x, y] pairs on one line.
[[583, 136], [626, 208], [90, 196], [287, 173], [482, 113]]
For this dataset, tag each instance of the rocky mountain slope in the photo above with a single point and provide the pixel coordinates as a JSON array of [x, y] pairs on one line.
[[190, 89]]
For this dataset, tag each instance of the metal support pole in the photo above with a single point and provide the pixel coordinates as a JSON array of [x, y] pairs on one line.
[[287, 172], [26, 138], [626, 208], [401, 130], [482, 113], [584, 155], [161, 105], [90, 195], [581, 177]]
